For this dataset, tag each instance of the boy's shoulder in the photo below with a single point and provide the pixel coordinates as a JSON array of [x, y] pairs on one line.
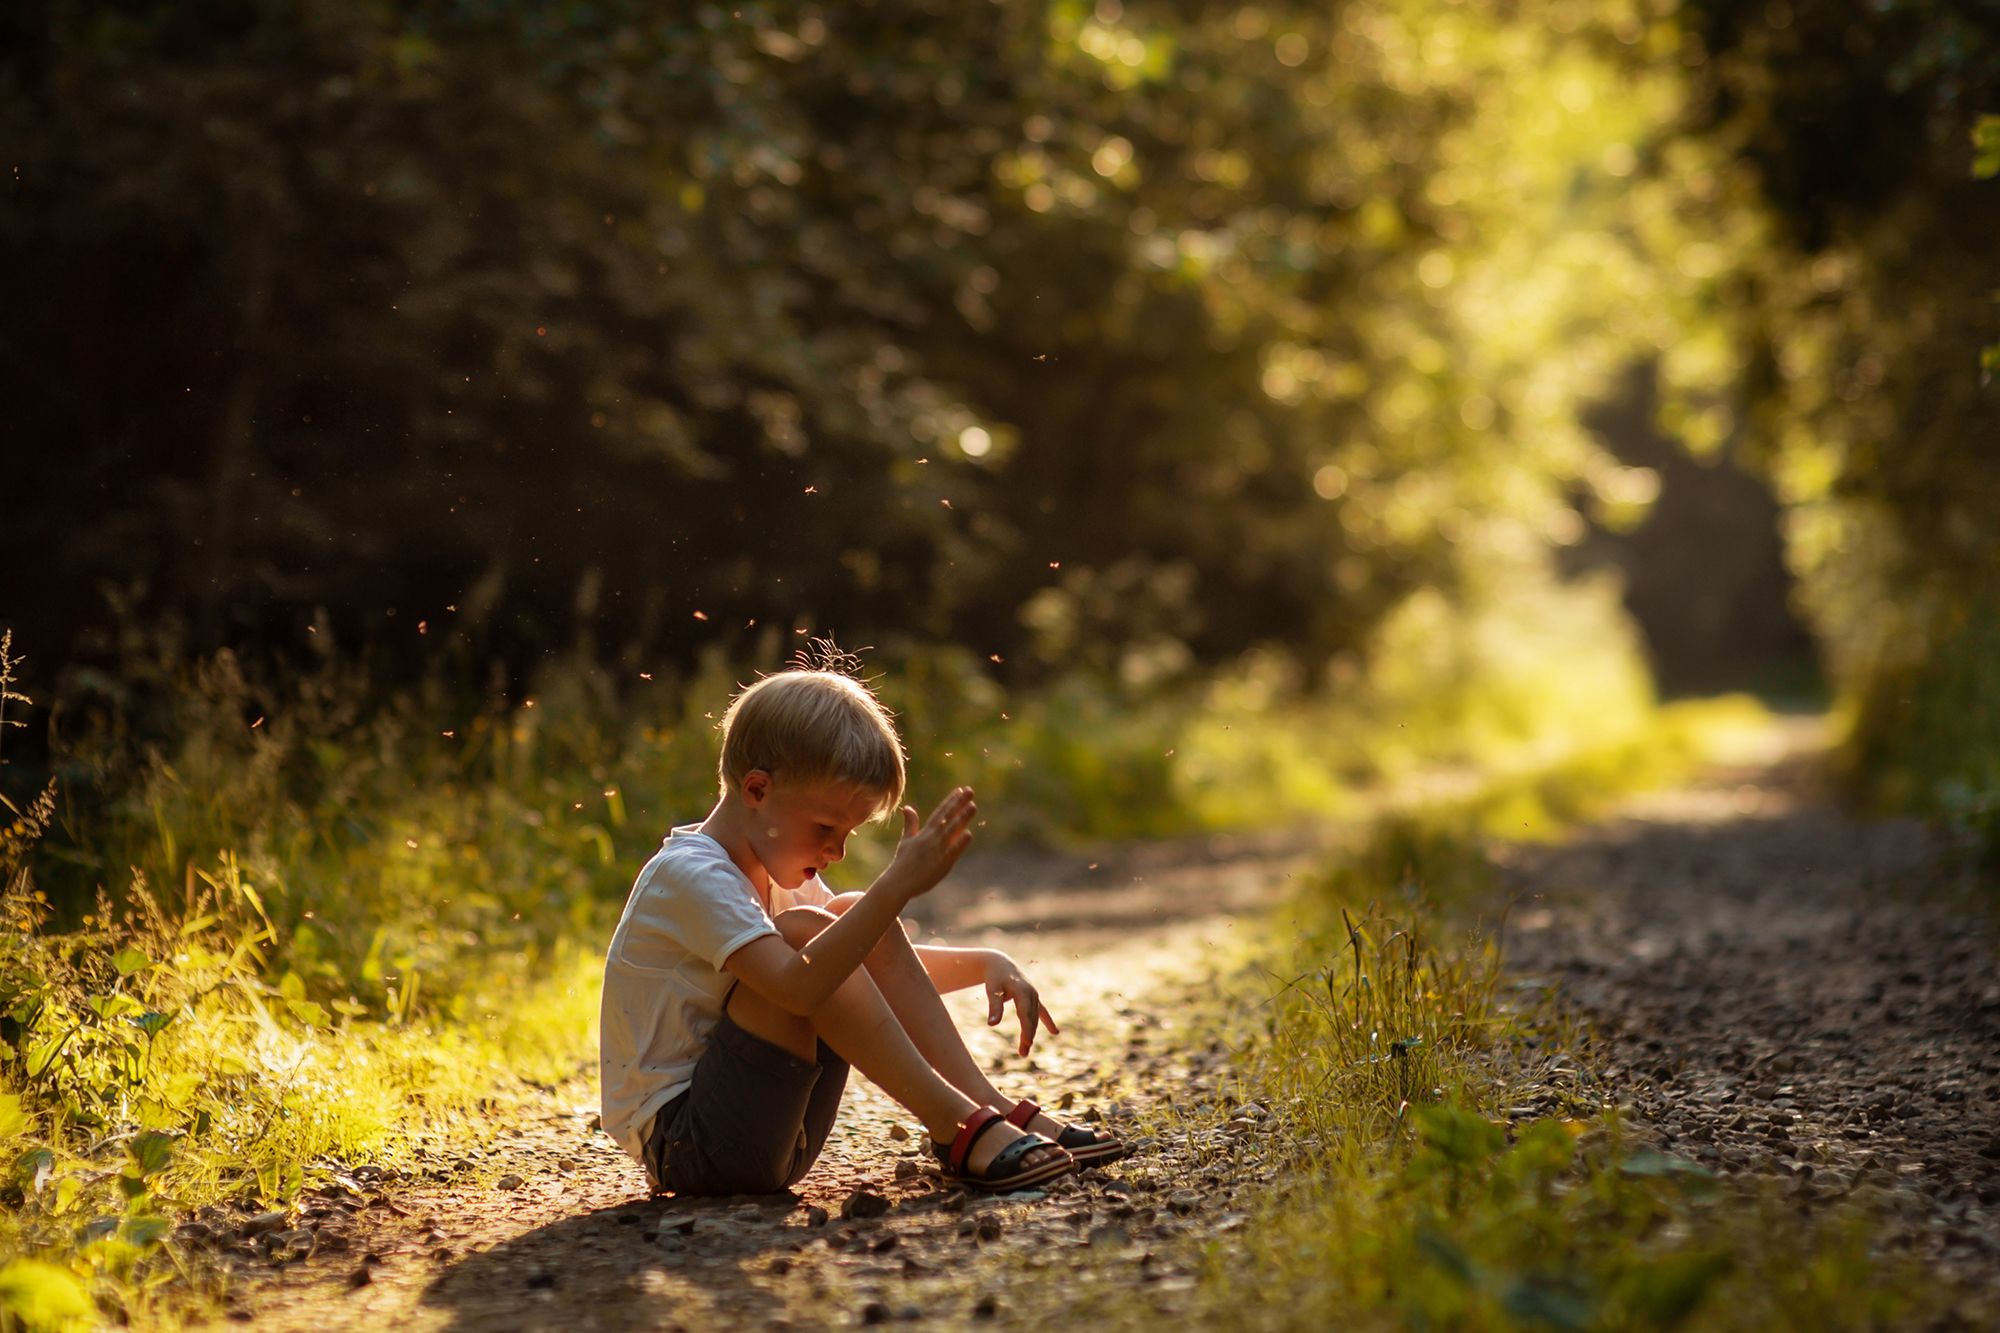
[[689, 859]]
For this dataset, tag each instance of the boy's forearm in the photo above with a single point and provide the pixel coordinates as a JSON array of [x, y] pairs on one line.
[[952, 969]]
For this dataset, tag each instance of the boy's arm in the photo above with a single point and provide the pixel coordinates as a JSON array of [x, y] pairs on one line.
[[799, 981], [954, 969]]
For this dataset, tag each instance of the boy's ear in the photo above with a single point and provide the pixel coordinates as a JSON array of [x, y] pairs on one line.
[[756, 786]]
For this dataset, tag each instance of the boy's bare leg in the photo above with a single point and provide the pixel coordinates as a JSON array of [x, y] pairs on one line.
[[900, 976], [862, 1028]]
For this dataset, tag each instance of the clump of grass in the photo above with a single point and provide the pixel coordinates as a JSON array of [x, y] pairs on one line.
[[163, 1052], [1454, 1165]]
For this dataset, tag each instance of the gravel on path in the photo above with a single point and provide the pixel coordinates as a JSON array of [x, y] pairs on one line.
[[1781, 989], [564, 1236]]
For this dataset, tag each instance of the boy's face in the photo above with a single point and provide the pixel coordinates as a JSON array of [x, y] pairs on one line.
[[799, 831]]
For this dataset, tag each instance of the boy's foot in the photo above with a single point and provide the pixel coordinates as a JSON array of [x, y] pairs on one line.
[[999, 1161], [1083, 1143]]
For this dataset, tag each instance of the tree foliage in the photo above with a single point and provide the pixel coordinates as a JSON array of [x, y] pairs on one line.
[[1862, 319], [1159, 327]]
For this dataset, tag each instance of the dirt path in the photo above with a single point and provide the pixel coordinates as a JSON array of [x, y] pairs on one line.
[[1778, 989], [567, 1237], [1785, 990]]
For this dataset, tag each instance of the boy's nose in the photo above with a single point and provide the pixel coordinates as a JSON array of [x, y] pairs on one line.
[[837, 852]]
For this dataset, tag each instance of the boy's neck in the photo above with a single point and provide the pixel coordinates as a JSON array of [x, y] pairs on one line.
[[728, 824]]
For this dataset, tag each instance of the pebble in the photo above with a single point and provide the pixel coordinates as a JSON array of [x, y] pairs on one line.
[[863, 1204]]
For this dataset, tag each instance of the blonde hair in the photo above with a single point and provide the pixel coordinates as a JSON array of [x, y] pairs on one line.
[[812, 726]]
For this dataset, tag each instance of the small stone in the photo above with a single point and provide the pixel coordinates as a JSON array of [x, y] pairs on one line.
[[264, 1222], [989, 1226], [510, 1181], [863, 1204], [816, 1216], [360, 1277], [905, 1168], [875, 1312], [195, 1233], [985, 1307], [1183, 1201], [898, 1133]]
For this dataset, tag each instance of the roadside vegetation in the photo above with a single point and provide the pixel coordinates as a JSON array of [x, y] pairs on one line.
[[1449, 1156], [277, 931]]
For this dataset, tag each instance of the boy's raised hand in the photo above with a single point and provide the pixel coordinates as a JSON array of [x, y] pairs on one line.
[[928, 852]]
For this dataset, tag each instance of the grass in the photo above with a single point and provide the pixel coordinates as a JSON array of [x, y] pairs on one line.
[[1450, 1161], [261, 929]]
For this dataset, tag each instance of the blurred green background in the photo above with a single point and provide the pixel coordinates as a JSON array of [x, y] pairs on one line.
[[474, 351]]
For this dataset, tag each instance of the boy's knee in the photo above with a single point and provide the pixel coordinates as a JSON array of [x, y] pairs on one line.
[[799, 924], [840, 902]]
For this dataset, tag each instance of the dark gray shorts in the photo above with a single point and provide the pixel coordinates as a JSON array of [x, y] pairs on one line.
[[753, 1123]]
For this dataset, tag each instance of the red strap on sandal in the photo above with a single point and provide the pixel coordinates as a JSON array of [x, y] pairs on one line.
[[1023, 1112], [968, 1134]]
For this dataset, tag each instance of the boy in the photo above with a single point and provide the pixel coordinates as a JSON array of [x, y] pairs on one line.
[[738, 989]]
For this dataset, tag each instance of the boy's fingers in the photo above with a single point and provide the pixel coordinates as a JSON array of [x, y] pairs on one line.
[[996, 1005], [1049, 1022], [909, 821], [1030, 1007]]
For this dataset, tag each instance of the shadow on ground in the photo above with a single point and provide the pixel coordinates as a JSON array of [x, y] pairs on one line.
[[647, 1263]]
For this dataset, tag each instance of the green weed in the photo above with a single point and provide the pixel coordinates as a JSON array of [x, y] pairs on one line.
[[1454, 1166]]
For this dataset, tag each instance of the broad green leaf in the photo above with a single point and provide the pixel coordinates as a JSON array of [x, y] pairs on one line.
[[310, 1013], [33, 1168], [151, 1150], [145, 1231], [97, 1228], [43, 1296], [152, 1022], [42, 1054], [12, 1118], [128, 961], [108, 1007]]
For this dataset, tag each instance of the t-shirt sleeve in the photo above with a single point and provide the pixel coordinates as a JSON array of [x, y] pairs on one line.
[[705, 910]]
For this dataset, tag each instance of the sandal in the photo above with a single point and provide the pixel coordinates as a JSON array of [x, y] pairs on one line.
[[1086, 1145], [1007, 1171]]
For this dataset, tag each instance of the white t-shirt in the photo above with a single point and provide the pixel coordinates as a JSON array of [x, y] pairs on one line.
[[663, 980]]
